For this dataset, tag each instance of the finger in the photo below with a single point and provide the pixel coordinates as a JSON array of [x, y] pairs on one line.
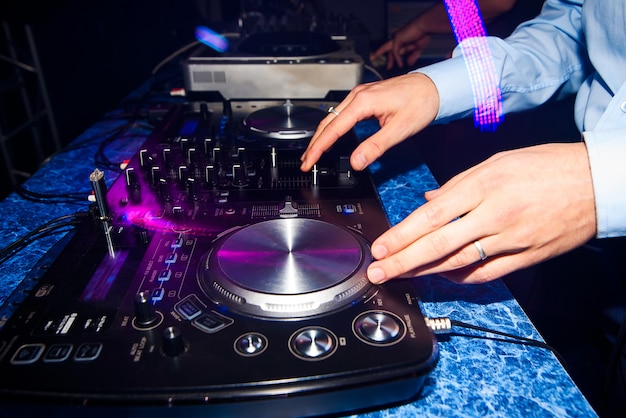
[[491, 269], [314, 148], [434, 214], [383, 49], [414, 56], [448, 248], [461, 260], [417, 50], [396, 55], [330, 129]]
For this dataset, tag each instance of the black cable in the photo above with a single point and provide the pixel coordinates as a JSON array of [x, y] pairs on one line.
[[444, 326], [517, 338], [56, 225]]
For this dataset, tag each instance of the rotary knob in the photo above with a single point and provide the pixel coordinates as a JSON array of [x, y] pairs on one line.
[[379, 328], [313, 343], [251, 344], [173, 343], [145, 315]]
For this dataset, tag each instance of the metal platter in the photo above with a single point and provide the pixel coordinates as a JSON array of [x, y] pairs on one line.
[[284, 122], [287, 267]]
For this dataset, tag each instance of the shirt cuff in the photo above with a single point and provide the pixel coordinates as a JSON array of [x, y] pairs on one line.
[[607, 153], [456, 99]]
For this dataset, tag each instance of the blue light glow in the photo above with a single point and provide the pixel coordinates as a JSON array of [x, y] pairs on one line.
[[468, 26], [211, 39]]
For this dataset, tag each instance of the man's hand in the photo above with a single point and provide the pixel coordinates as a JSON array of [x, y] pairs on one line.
[[523, 207], [403, 106]]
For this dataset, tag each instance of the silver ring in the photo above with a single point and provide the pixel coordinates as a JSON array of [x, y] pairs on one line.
[[481, 251], [333, 111]]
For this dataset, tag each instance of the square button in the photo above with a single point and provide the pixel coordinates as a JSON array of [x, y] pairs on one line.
[[27, 354], [57, 353], [88, 352]]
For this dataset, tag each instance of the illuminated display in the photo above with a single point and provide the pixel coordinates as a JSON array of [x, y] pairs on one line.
[[468, 27]]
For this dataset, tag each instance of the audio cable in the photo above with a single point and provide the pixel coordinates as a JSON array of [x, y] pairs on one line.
[[444, 325], [57, 225]]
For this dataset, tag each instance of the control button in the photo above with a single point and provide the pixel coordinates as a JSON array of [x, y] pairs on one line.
[[177, 243], [622, 106], [88, 352], [173, 343], [171, 258], [189, 307], [349, 209], [251, 344], [379, 328], [314, 343], [27, 354], [288, 209], [157, 294], [58, 353], [212, 322], [164, 275]]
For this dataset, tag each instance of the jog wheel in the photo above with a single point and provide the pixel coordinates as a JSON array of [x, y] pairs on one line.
[[286, 268]]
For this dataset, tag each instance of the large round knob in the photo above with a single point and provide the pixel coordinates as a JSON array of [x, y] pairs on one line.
[[379, 328], [173, 343], [313, 343]]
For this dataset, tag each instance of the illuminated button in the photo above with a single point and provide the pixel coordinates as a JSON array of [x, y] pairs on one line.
[[349, 209], [157, 294], [171, 258], [58, 353], [27, 354], [251, 344], [378, 328], [164, 275], [188, 308], [622, 106], [313, 343], [88, 352], [177, 243], [211, 322]]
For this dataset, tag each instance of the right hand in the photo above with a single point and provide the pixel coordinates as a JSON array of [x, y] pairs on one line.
[[403, 105], [411, 40]]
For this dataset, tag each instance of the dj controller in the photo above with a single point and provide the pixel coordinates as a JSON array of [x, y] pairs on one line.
[[216, 278]]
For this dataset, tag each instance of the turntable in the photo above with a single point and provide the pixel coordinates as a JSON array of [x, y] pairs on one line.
[[276, 65], [236, 286]]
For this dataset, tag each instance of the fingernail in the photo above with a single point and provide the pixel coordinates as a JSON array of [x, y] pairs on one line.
[[375, 275], [360, 161], [379, 251]]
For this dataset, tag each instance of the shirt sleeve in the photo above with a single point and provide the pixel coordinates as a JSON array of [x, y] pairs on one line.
[[607, 152], [540, 61]]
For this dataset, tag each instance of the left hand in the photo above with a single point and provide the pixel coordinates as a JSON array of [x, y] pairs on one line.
[[523, 206]]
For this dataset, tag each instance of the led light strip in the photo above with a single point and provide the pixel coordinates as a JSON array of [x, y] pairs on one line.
[[468, 26]]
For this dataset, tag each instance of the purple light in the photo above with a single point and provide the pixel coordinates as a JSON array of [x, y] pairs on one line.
[[211, 39], [468, 26]]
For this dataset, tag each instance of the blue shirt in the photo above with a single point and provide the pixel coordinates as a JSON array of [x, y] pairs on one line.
[[570, 48]]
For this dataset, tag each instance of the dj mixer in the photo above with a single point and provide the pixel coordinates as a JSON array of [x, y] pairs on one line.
[[216, 278]]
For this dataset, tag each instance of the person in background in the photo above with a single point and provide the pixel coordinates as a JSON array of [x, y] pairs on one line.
[[411, 39]]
